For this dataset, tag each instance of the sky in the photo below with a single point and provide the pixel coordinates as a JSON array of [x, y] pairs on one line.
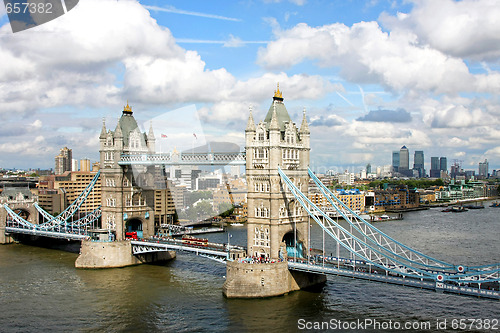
[[372, 75]]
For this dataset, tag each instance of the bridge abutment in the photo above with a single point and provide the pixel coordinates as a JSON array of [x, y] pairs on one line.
[[116, 254], [5, 238], [245, 280]]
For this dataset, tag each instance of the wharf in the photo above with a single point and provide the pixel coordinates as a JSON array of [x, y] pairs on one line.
[[410, 209]]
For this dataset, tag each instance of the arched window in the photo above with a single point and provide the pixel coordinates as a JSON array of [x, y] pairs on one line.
[[110, 222], [283, 211], [135, 140]]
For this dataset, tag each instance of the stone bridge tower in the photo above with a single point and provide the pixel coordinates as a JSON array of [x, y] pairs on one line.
[[127, 191], [276, 222], [21, 201]]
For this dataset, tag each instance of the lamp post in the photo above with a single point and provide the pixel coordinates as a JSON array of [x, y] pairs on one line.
[[228, 247]]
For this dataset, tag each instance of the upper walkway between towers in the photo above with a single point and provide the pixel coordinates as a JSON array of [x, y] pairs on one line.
[[185, 158]]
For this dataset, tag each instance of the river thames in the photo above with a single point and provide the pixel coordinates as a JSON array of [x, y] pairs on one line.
[[42, 291]]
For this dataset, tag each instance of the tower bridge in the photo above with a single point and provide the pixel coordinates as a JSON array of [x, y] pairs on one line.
[[278, 256]]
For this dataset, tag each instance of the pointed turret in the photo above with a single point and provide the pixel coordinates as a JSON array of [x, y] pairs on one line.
[[103, 130], [151, 135], [250, 123], [118, 131], [151, 138], [304, 127], [278, 107], [274, 119]]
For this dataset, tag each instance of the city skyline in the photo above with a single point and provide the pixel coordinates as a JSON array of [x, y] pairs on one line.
[[388, 80]]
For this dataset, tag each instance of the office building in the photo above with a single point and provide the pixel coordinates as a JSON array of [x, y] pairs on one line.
[[85, 165], [74, 165], [404, 158], [443, 165], [483, 169], [395, 161], [438, 165], [63, 161], [418, 163]]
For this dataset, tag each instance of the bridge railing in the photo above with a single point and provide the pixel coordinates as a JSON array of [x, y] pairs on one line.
[[377, 237], [69, 212], [379, 256]]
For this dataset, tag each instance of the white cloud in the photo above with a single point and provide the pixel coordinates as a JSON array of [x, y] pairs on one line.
[[226, 112], [365, 53], [232, 110], [458, 116], [234, 42], [73, 62], [493, 152], [32, 148], [398, 60], [165, 80], [467, 28], [37, 124], [295, 87], [69, 61]]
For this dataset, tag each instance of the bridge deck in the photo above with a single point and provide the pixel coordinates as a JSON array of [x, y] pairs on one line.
[[399, 280], [213, 251], [44, 233]]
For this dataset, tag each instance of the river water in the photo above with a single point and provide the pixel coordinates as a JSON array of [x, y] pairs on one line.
[[41, 291]]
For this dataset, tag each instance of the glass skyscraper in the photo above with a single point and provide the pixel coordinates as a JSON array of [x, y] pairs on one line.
[[418, 163]]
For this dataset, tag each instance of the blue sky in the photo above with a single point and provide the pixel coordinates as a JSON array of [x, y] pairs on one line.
[[372, 75]]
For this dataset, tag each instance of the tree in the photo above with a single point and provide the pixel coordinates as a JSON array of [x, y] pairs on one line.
[[225, 209], [204, 209], [192, 197], [192, 214]]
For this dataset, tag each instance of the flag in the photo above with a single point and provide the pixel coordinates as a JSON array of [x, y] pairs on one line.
[[195, 136], [164, 136]]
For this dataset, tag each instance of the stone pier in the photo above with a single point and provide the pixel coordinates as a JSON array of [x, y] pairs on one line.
[[244, 280], [5, 238], [116, 254]]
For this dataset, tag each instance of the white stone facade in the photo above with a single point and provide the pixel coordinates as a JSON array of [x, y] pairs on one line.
[[272, 209]]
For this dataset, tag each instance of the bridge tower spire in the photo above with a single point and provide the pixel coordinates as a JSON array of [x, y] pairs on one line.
[[277, 226]]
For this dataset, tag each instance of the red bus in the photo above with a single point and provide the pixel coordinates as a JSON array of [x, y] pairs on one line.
[[131, 235]]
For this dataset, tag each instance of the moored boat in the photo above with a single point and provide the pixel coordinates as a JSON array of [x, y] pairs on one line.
[[458, 209]]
